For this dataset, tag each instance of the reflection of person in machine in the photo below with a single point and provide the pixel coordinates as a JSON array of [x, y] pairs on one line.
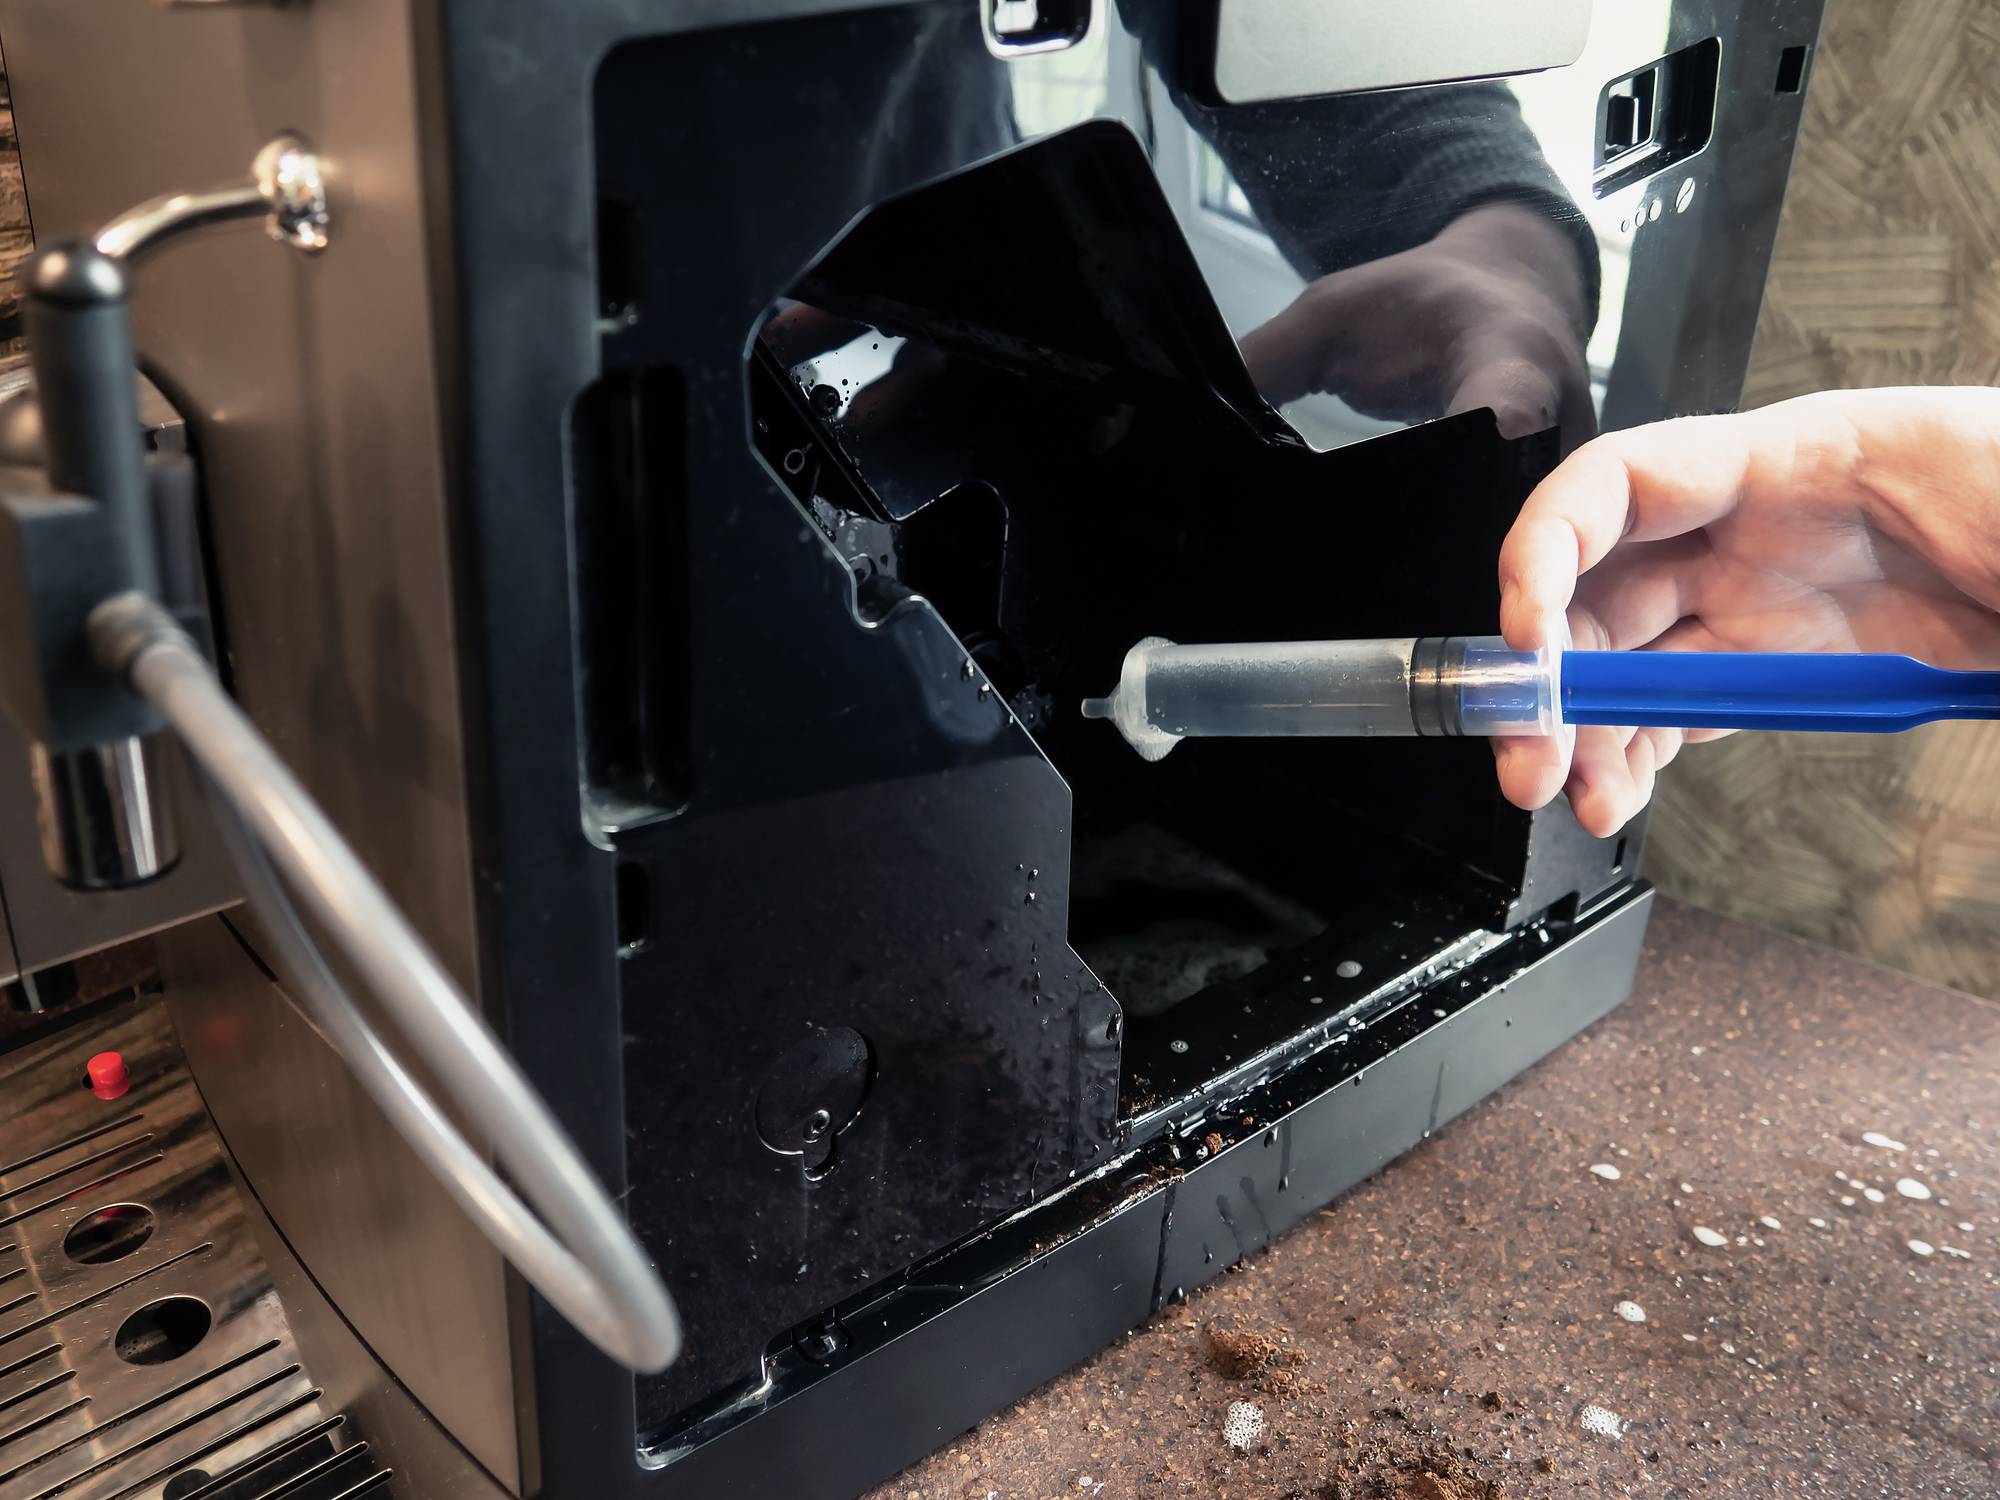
[[1446, 268]]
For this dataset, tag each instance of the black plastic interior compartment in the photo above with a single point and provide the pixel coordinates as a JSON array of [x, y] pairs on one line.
[[897, 590], [1100, 482]]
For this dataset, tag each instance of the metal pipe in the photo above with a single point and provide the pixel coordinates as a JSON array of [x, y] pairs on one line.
[[587, 1262], [149, 225], [106, 820], [287, 187]]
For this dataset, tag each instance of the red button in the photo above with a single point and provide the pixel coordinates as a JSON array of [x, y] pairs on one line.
[[108, 1078]]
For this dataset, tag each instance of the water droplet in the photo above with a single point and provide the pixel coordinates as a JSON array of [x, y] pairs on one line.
[[1921, 1247], [1177, 1045], [1817, 1223], [1631, 1311], [1688, 1338], [1875, 1195], [1605, 1170], [1876, 1138], [1964, 1228], [1909, 1187], [1687, 1188], [1347, 968], [1709, 1237], [1031, 898], [1846, 1202], [1770, 1223], [1315, 999]]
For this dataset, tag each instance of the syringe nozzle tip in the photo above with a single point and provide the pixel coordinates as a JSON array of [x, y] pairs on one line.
[[1097, 708]]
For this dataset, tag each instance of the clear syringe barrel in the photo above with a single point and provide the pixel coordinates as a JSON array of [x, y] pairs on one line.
[[1436, 685]]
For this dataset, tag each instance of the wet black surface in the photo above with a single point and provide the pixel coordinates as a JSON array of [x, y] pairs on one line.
[[1448, 1321]]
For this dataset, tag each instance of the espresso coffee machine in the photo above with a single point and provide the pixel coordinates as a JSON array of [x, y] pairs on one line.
[[659, 507]]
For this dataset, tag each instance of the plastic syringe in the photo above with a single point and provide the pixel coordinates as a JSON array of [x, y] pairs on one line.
[[1478, 685]]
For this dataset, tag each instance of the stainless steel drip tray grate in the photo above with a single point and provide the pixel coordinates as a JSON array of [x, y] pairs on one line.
[[144, 1354]]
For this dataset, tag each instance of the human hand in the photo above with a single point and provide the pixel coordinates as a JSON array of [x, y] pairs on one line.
[[1846, 521], [1490, 313]]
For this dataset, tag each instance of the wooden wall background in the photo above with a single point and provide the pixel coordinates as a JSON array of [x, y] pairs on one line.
[[15, 239], [1887, 272]]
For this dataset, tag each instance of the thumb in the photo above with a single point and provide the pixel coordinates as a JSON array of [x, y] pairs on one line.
[[1523, 397]]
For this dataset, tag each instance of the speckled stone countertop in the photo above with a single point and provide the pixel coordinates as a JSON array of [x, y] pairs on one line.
[[1455, 1328]]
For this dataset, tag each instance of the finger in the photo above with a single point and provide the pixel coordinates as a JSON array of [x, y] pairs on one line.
[[1522, 395], [1531, 768], [893, 396], [1693, 635], [1579, 411], [1643, 484], [1666, 745], [1612, 777], [1281, 354], [1639, 592], [800, 333], [1291, 355]]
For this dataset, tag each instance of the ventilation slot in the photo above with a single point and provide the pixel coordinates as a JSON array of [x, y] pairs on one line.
[[1792, 70], [628, 455]]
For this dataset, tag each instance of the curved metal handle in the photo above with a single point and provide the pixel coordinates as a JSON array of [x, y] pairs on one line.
[[287, 187], [584, 1259]]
